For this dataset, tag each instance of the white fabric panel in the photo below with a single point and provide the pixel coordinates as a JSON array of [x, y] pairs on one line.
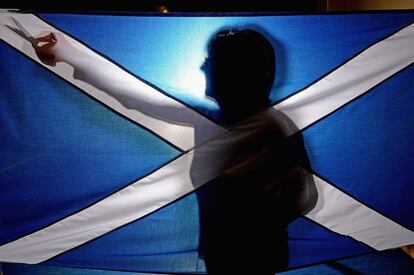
[[161, 114], [176, 179], [352, 79], [344, 215]]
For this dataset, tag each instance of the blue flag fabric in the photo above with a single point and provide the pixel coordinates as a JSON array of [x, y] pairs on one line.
[[61, 151]]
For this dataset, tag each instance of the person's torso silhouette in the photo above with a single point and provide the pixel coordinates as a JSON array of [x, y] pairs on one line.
[[244, 213]]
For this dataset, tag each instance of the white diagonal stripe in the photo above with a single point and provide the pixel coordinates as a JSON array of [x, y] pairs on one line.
[[344, 215], [173, 181], [352, 79], [137, 200], [153, 106]]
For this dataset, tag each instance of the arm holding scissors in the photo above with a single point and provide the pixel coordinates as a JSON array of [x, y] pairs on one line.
[[98, 72]]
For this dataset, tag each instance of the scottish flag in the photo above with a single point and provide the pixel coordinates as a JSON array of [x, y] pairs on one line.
[[92, 175]]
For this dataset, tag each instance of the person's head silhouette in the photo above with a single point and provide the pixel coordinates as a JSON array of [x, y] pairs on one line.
[[240, 70]]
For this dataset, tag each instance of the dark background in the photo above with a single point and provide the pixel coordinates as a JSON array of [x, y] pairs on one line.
[[171, 5], [284, 6]]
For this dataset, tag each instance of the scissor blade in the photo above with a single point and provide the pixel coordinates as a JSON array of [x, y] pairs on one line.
[[18, 32], [22, 31]]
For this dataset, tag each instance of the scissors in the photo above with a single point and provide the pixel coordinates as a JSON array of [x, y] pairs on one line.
[[26, 35], [22, 32]]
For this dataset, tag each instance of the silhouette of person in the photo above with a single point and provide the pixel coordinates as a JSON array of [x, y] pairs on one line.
[[258, 187], [244, 214]]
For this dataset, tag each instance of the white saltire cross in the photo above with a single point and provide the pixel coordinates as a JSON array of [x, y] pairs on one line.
[[172, 181]]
